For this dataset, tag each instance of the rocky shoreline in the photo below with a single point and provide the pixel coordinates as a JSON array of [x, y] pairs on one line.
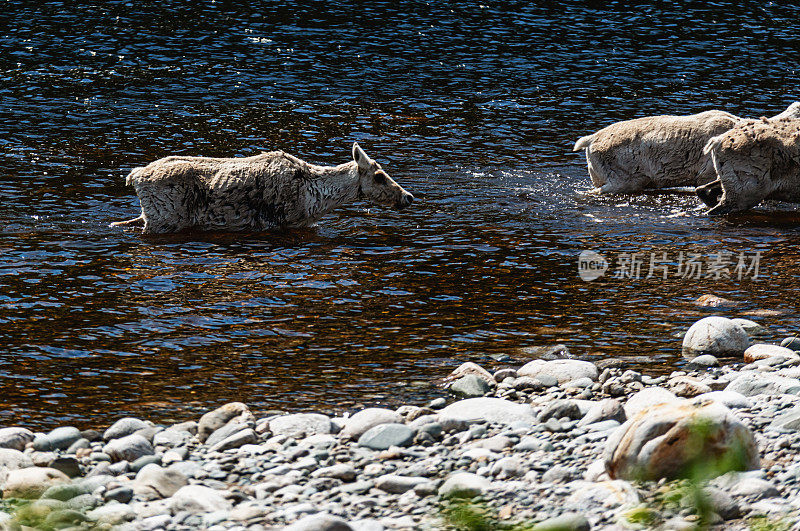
[[558, 443]]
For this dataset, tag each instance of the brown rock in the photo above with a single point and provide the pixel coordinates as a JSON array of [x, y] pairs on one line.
[[713, 301], [214, 420], [668, 440], [470, 368]]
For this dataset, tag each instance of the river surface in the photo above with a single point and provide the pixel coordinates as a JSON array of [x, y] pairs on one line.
[[474, 108]]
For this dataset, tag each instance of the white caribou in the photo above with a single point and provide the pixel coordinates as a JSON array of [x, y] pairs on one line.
[[263, 192]]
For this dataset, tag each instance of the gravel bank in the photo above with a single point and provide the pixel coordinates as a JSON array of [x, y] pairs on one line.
[[551, 443]]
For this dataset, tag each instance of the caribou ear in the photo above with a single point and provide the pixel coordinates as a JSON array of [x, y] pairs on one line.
[[360, 157]]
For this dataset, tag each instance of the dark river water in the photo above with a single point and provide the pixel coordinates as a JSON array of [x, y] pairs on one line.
[[473, 108]]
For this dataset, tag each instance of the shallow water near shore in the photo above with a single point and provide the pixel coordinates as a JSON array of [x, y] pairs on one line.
[[474, 109]]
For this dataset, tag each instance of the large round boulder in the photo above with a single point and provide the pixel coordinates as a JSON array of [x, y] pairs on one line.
[[715, 335], [675, 440]]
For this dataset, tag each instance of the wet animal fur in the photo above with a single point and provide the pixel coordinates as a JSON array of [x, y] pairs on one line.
[[656, 151], [756, 160], [263, 192]]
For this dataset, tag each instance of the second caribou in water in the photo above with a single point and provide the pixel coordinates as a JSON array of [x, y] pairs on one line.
[[267, 191], [657, 151]]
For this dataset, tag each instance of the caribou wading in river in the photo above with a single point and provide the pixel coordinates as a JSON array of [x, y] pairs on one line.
[[269, 191], [757, 160], [658, 151]]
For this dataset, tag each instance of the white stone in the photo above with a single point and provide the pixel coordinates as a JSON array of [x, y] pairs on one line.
[[751, 327], [319, 440], [214, 420], [367, 525], [755, 489], [368, 418], [647, 397], [249, 510], [128, 448], [730, 399], [703, 361], [762, 351], [607, 409], [384, 436], [171, 438], [112, 513], [687, 386], [479, 454], [300, 424], [508, 467], [224, 432], [562, 370], [493, 410], [160, 521], [397, 484], [596, 471], [716, 335], [608, 494], [31, 482], [13, 459], [342, 471], [789, 372], [750, 383], [238, 439], [15, 438], [153, 482], [464, 484], [319, 522], [124, 426], [198, 499]]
